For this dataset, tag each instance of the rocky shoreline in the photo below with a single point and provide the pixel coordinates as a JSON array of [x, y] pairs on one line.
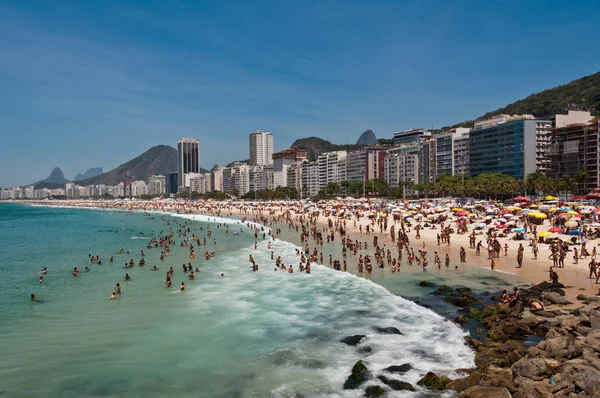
[[550, 353]]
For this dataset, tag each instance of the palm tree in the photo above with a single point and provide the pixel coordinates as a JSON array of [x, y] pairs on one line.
[[582, 177], [567, 183]]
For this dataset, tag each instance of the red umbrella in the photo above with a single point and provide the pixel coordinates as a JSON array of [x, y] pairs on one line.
[[521, 199], [555, 230]]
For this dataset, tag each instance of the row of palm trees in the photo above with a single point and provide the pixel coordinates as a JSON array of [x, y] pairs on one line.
[[490, 186]]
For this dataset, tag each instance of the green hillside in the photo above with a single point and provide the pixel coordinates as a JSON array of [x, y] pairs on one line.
[[584, 92]]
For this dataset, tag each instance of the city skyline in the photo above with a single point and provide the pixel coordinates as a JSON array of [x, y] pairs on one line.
[[93, 84]]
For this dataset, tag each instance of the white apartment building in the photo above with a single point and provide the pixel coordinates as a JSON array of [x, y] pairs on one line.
[[282, 160], [401, 166], [156, 185], [310, 179], [216, 180], [137, 188], [460, 151], [242, 178], [261, 148], [332, 168]]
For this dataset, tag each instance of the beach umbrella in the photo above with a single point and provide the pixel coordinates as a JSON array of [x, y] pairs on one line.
[[595, 225], [572, 224], [519, 230], [502, 219], [574, 232], [544, 207], [551, 236], [521, 199], [542, 234], [555, 230], [550, 198], [572, 212], [479, 225]]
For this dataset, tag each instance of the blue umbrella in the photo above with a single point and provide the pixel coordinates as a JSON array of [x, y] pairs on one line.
[[574, 232], [519, 230]]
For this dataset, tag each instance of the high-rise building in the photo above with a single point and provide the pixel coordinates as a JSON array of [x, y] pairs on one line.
[[156, 185], [365, 163], [172, 183], [261, 148], [409, 136], [427, 160], [310, 179], [461, 151], [401, 167], [281, 161], [188, 158], [332, 168], [508, 148], [575, 147]]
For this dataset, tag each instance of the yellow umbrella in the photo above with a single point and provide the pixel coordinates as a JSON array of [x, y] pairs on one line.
[[572, 212], [550, 198], [539, 215], [542, 234], [552, 210]]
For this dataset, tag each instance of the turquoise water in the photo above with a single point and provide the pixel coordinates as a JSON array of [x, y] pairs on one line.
[[247, 334]]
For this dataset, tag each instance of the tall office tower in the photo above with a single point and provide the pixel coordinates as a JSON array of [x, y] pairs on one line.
[[188, 158], [261, 148]]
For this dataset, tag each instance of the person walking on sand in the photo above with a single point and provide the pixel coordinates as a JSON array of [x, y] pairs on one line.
[[593, 266]]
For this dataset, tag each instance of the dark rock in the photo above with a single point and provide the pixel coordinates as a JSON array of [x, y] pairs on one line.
[[353, 340], [399, 368], [359, 375], [442, 290], [365, 350], [396, 384], [461, 319], [581, 297], [374, 392], [556, 298], [485, 392], [533, 389], [464, 299], [431, 381], [465, 383], [425, 284], [388, 330]]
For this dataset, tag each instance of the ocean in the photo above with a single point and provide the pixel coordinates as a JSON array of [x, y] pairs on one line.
[[245, 334]]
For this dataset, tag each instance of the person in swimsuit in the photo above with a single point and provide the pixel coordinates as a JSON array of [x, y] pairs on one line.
[[112, 296], [536, 305], [182, 287]]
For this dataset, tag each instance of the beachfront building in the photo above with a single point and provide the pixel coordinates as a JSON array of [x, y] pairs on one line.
[[365, 163], [188, 158], [506, 147], [156, 185], [460, 151], [216, 179], [228, 180], [444, 148], [294, 177], [282, 160], [171, 183], [242, 178], [411, 136], [135, 189], [574, 148], [260, 177], [427, 159], [332, 168], [401, 167], [261, 148], [310, 179]]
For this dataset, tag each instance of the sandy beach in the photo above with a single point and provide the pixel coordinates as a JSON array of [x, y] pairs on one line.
[[575, 276]]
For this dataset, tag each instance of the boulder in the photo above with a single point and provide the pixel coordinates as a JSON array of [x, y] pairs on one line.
[[365, 349], [374, 392], [431, 381], [425, 284], [442, 290], [359, 375], [461, 319], [498, 377], [397, 385], [530, 368], [587, 309], [593, 340], [556, 298], [563, 347], [464, 383], [388, 330], [485, 392], [353, 340], [399, 368], [533, 389], [595, 319], [570, 322]]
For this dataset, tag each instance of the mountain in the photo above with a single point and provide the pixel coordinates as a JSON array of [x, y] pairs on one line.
[[158, 160], [315, 146], [584, 92], [56, 177], [367, 138], [93, 172]]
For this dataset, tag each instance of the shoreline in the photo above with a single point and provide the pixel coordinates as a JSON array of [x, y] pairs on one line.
[[574, 276]]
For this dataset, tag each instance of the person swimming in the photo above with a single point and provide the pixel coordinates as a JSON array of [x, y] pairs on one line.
[[155, 268], [43, 271], [112, 296], [127, 277], [182, 287], [41, 279]]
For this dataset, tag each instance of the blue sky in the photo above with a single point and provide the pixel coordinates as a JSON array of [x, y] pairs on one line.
[[89, 84]]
